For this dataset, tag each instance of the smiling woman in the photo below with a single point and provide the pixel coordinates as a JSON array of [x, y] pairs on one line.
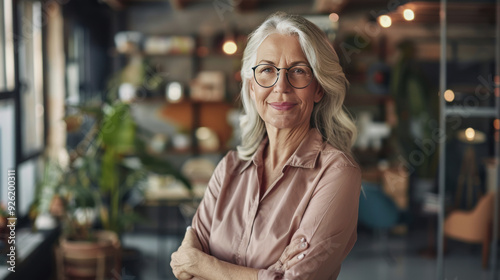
[[287, 102], [285, 206]]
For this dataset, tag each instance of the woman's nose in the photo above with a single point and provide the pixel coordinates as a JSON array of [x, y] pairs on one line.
[[282, 85]]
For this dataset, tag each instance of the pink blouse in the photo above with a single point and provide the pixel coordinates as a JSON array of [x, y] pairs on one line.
[[316, 198]]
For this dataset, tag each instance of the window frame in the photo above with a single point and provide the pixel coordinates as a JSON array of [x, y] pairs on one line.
[[20, 156]]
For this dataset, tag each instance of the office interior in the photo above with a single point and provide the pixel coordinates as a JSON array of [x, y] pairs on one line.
[[114, 114]]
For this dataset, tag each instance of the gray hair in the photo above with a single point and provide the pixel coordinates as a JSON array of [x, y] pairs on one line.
[[328, 116]]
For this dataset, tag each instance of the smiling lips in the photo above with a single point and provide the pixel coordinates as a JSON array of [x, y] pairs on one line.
[[282, 106]]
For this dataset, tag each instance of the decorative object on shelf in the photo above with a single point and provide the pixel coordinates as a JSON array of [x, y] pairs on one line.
[[208, 141], [198, 171], [160, 45], [371, 133], [181, 142], [128, 41], [469, 175], [165, 187], [158, 143], [127, 92], [136, 81], [208, 86], [174, 92]]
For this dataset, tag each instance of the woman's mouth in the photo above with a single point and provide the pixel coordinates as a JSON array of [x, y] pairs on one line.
[[282, 106]]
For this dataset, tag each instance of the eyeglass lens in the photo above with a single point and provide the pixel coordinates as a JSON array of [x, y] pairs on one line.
[[298, 76]]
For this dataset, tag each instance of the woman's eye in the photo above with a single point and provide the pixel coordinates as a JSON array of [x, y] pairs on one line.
[[299, 71], [267, 70]]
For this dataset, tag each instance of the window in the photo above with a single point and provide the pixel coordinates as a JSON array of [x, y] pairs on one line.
[[7, 144], [21, 97], [7, 71], [31, 77]]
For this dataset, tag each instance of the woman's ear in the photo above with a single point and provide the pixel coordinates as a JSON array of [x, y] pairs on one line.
[[251, 88], [318, 95]]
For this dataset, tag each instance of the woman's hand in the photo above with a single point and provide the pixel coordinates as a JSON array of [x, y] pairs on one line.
[[292, 255], [185, 259]]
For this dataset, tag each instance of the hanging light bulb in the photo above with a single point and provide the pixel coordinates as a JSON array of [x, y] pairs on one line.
[[408, 14], [449, 95], [385, 21], [470, 133], [333, 17], [229, 47]]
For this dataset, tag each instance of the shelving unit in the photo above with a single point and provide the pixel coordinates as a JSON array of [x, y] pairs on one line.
[[188, 115]]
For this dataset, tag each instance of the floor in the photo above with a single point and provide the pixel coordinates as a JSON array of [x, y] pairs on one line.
[[369, 259]]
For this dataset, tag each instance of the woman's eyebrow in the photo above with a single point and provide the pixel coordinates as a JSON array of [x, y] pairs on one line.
[[299, 62], [266, 61], [291, 64]]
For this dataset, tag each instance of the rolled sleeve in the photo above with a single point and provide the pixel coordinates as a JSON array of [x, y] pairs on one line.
[[328, 225], [202, 220]]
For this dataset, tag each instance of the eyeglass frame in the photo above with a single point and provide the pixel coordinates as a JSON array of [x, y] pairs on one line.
[[278, 75]]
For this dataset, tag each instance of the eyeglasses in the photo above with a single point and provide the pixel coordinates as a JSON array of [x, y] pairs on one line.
[[299, 76]]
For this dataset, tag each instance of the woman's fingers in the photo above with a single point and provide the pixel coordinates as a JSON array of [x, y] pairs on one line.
[[191, 239], [295, 253], [292, 254], [182, 262], [182, 275]]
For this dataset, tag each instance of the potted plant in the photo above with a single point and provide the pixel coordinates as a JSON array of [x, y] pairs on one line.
[[108, 166]]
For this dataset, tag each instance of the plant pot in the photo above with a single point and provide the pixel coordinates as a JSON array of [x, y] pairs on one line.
[[99, 259]]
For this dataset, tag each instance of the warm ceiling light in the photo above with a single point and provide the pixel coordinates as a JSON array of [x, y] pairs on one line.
[[384, 21], [408, 14], [496, 124], [449, 95], [229, 47], [333, 17], [470, 133]]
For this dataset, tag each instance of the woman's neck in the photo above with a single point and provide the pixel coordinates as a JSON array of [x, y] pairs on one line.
[[282, 144]]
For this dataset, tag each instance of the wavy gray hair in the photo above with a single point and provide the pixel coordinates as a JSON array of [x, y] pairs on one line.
[[328, 116]]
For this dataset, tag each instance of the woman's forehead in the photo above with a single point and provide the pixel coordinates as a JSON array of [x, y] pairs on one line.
[[277, 47]]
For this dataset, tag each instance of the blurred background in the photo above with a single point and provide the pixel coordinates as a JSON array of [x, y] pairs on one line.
[[114, 114]]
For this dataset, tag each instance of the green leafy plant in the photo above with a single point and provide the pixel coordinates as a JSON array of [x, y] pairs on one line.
[[99, 176]]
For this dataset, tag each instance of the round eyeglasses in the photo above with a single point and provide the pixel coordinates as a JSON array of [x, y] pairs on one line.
[[299, 76]]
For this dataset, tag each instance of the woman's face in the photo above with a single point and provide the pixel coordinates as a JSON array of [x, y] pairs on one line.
[[283, 106]]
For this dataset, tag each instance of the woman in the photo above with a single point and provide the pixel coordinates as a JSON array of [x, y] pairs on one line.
[[285, 205]]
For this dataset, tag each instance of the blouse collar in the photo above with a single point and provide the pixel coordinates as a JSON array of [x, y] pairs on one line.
[[304, 156]]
